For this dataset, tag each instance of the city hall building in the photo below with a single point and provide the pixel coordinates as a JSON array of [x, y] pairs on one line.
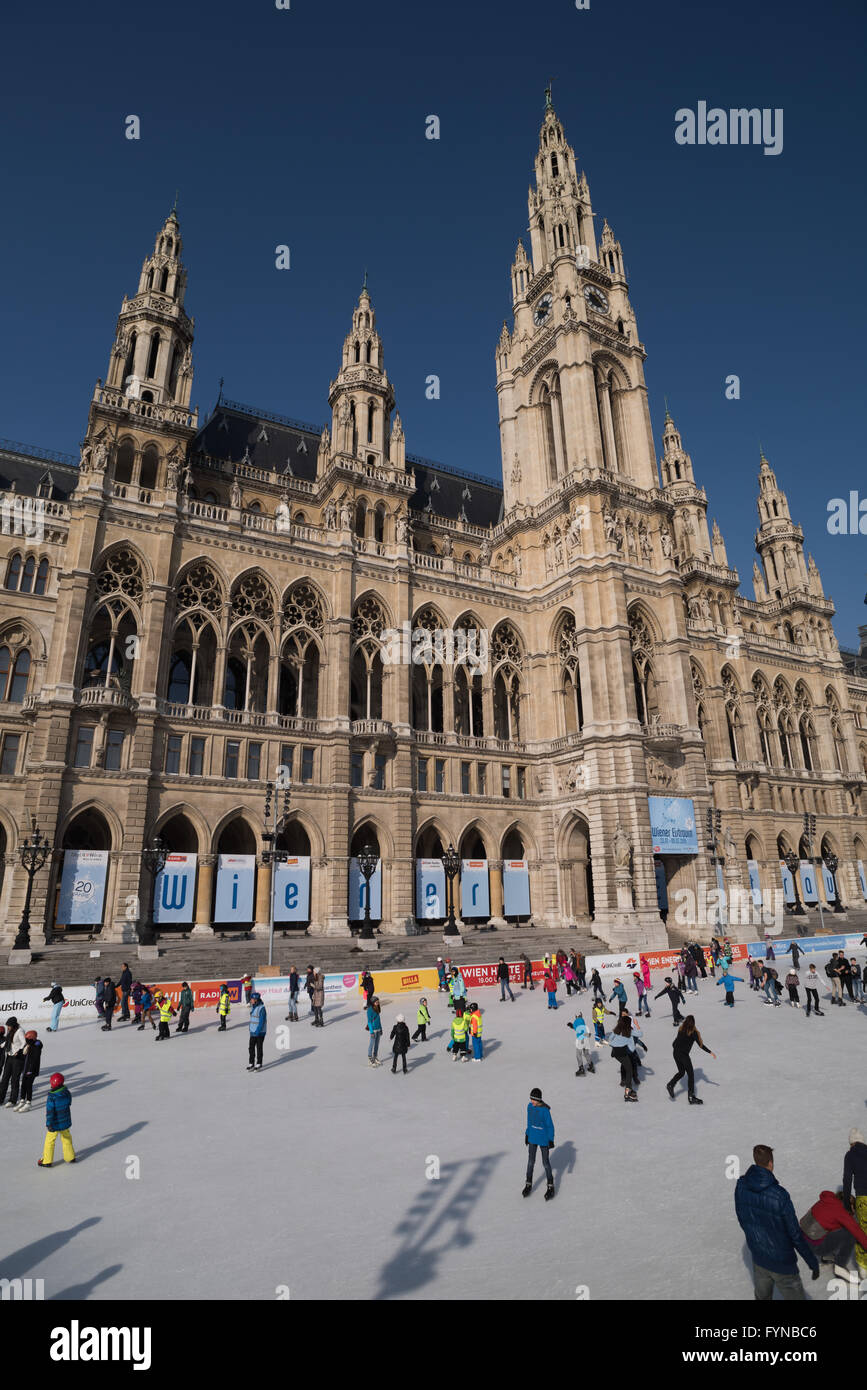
[[557, 676]]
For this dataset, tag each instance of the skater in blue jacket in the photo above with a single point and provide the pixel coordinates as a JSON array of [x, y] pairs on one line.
[[583, 1056], [258, 1029], [539, 1134], [728, 983]]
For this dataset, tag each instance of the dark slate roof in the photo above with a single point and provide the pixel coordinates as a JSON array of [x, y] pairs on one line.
[[268, 441], [26, 467]]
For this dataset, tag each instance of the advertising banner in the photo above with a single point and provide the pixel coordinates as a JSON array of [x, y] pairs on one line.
[[516, 888], [755, 882], [809, 889], [430, 890], [666, 960], [672, 825], [236, 878], [862, 879], [274, 990], [206, 993], [475, 893], [357, 892], [175, 889], [422, 981], [82, 887], [28, 1007], [788, 883], [292, 890], [617, 964], [828, 880]]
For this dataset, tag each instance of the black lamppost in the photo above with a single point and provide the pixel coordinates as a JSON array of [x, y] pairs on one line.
[[154, 859], [793, 864], [713, 823], [451, 864], [272, 855], [34, 852], [832, 863], [368, 859], [809, 836]]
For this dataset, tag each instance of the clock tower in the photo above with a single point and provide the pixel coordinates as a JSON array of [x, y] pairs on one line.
[[570, 373]]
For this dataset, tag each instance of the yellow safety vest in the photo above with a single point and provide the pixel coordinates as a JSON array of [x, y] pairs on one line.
[[225, 1005], [476, 1024], [459, 1029], [422, 1016], [165, 1010]]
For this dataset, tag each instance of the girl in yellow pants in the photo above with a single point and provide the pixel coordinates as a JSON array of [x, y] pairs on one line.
[[58, 1119]]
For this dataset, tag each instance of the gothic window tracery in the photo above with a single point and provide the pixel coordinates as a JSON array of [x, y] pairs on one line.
[[641, 640], [507, 661], [368, 625], [568, 653]]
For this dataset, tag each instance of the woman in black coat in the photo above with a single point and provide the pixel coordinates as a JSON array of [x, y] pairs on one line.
[[400, 1043], [687, 1035]]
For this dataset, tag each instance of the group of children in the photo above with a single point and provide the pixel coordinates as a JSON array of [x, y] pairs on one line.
[[20, 1060]]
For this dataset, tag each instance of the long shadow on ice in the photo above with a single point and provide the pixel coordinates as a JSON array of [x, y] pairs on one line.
[[563, 1159], [78, 1292], [109, 1139], [291, 1056], [31, 1256], [436, 1225]]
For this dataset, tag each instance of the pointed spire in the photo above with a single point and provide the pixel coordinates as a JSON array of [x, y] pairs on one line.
[[549, 105], [364, 290], [667, 411]]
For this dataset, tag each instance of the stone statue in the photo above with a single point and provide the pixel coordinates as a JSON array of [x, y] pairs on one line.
[[402, 531], [343, 413], [730, 848], [609, 524], [448, 544], [85, 460], [644, 541], [622, 848], [282, 517], [516, 471], [618, 535], [346, 514], [186, 478], [519, 564], [485, 552], [665, 539], [397, 427], [330, 516], [576, 525], [101, 457], [235, 494]]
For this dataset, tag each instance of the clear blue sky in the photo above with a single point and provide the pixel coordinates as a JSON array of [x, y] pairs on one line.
[[306, 127]]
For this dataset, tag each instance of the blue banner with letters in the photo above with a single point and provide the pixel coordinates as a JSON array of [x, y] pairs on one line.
[[862, 879], [236, 880], [828, 880], [788, 882], [82, 887], [808, 882], [755, 882], [175, 889], [475, 892], [672, 825], [292, 890], [516, 888], [430, 890], [357, 892]]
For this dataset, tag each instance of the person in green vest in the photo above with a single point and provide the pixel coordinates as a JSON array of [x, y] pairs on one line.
[[223, 1008], [167, 1010], [422, 1019], [186, 1006], [458, 1045], [476, 1032]]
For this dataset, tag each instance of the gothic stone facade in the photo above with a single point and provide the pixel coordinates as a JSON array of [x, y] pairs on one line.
[[208, 604]]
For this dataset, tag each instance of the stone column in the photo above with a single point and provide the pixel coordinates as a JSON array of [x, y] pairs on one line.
[[263, 897], [495, 873], [204, 895]]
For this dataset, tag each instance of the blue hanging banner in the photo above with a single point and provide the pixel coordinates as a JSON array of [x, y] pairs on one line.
[[82, 887], [672, 825], [862, 879], [357, 892], [755, 881], [788, 882], [828, 880], [175, 889], [808, 882], [236, 878], [292, 890], [475, 891], [430, 890], [516, 888]]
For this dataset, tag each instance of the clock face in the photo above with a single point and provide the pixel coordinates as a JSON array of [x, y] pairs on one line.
[[596, 299], [542, 311]]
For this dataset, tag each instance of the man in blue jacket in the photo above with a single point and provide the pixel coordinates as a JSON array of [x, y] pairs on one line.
[[539, 1134], [765, 1212], [258, 1029]]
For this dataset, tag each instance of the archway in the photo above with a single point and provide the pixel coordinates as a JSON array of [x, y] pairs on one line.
[[89, 830], [238, 837], [179, 835], [366, 837], [579, 872]]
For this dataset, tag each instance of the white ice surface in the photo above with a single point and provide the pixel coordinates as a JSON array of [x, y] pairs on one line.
[[312, 1173]]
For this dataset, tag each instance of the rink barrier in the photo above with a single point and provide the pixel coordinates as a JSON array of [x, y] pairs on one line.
[[80, 999]]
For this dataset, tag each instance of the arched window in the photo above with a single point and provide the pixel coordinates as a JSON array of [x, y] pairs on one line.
[[365, 682], [507, 662], [371, 415], [27, 575], [764, 719], [358, 352], [16, 683], [130, 356], [427, 673], [152, 356], [567, 650], [150, 462], [13, 572], [548, 433], [367, 351], [360, 517], [379, 522], [646, 698], [124, 462], [303, 621], [41, 577], [555, 171]]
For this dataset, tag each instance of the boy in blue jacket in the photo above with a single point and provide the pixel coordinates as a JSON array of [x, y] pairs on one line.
[[258, 1029], [728, 984], [58, 1118], [539, 1134], [582, 1054]]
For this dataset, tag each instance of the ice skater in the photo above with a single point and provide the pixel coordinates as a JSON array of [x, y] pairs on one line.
[[792, 982], [539, 1134], [13, 1062], [317, 998], [399, 1044], [294, 986], [422, 1019], [728, 983], [599, 1011], [832, 1232], [368, 986], [596, 984], [549, 985], [459, 988], [811, 989], [167, 1013], [527, 966], [503, 980], [618, 993], [147, 1005], [754, 970], [476, 1033], [641, 991], [125, 985], [30, 1069], [224, 1008], [767, 1218], [687, 1035], [673, 993], [459, 1030], [109, 1002], [374, 1028], [855, 1177], [258, 1029], [583, 1055], [442, 985], [623, 1044], [186, 1005], [55, 998], [247, 986], [58, 1120]]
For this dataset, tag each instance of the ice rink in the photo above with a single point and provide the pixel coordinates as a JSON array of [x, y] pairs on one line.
[[316, 1178]]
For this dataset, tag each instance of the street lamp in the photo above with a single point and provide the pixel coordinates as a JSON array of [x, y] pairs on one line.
[[793, 864], [368, 858], [713, 823], [34, 852], [451, 864], [832, 863], [272, 855], [154, 860]]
